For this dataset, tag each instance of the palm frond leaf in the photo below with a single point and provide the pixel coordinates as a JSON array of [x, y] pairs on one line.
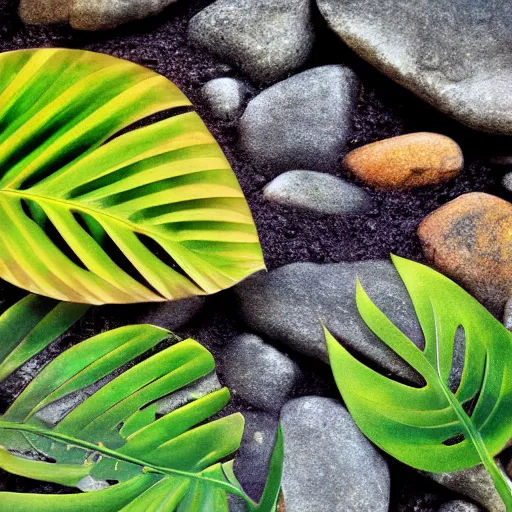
[[91, 213]]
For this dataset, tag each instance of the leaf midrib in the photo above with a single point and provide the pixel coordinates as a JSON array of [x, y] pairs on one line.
[[147, 467], [90, 211]]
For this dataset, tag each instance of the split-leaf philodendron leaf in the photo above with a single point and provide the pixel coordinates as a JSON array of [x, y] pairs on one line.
[[155, 460], [432, 428], [90, 214]]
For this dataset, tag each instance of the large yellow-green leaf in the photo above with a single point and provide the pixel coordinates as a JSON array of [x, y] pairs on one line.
[[92, 215]]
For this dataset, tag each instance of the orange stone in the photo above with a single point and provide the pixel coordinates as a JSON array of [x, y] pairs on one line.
[[408, 161], [470, 240]]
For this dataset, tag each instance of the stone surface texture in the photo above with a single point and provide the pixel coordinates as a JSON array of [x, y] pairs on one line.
[[329, 465], [267, 39], [470, 240], [407, 161], [460, 506], [454, 54], [303, 122], [318, 192], [258, 373], [225, 97], [475, 483]]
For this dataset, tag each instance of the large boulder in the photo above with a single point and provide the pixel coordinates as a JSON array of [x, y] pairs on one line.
[[455, 54]]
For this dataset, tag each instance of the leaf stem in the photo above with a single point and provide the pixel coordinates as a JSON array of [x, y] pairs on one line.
[[499, 478], [147, 467]]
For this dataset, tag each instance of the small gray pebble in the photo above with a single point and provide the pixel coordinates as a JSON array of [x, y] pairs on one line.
[[225, 97]]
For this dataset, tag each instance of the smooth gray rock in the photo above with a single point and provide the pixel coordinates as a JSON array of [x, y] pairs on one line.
[[303, 122], [288, 304], [89, 14], [459, 506], [329, 465], [267, 39], [455, 54], [318, 193], [475, 483], [225, 97], [258, 373]]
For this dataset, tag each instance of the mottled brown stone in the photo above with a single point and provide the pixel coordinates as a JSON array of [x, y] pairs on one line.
[[470, 240], [412, 160]]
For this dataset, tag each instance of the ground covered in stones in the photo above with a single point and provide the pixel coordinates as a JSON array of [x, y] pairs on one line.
[[287, 235]]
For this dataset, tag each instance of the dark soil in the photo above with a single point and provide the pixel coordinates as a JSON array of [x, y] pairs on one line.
[[384, 110]]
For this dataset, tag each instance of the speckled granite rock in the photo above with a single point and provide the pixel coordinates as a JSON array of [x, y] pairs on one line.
[[225, 97], [475, 483], [459, 506], [318, 192], [454, 54], [258, 373], [266, 38], [407, 161], [470, 240], [89, 14], [288, 304], [328, 464], [302, 122]]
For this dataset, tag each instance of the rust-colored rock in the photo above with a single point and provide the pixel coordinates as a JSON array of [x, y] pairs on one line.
[[408, 161], [470, 240]]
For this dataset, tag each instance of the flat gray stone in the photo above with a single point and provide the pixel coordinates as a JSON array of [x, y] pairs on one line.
[[288, 304], [258, 373], [318, 193], [459, 506], [89, 14], [225, 97], [475, 483], [329, 465], [452, 53], [267, 39], [302, 122]]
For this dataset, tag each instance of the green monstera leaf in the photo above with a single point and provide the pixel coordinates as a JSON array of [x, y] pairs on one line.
[[433, 427], [84, 421], [93, 214]]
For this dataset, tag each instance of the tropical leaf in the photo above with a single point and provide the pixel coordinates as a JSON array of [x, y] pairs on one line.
[[432, 427], [83, 420], [91, 214]]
